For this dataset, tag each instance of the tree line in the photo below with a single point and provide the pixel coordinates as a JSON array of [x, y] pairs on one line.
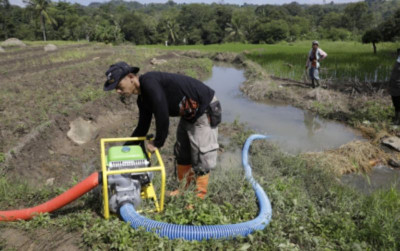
[[118, 21]]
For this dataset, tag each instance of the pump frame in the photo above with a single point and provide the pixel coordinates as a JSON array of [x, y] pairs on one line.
[[149, 191]]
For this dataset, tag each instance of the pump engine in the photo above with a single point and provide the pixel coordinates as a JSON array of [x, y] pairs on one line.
[[127, 187]]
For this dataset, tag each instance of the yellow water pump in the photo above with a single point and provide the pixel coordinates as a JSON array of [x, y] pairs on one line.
[[127, 174]]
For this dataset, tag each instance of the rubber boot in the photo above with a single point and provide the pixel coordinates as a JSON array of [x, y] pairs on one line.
[[313, 83], [201, 185], [183, 171], [316, 83]]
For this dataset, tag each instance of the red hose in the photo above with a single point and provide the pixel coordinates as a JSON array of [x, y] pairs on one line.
[[67, 197]]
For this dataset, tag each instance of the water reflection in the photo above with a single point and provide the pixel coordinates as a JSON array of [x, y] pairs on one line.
[[293, 129], [311, 123]]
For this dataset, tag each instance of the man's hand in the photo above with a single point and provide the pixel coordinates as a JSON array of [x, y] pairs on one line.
[[150, 146]]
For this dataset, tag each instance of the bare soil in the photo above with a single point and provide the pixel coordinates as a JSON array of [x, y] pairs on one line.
[[39, 50], [54, 239], [38, 149]]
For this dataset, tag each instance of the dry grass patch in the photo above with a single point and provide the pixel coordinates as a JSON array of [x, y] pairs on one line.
[[356, 156]]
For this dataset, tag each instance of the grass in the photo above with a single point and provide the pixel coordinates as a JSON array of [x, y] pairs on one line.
[[347, 61], [198, 68], [68, 55], [374, 112], [310, 211], [56, 42]]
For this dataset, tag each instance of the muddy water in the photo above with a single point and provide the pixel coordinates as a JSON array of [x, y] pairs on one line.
[[381, 177], [293, 129]]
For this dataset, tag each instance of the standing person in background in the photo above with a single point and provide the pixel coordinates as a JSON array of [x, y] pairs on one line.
[[314, 57], [394, 88]]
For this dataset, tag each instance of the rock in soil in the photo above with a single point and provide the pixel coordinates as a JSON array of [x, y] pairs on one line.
[[1, 49], [394, 163], [155, 61], [393, 142], [82, 131], [50, 47]]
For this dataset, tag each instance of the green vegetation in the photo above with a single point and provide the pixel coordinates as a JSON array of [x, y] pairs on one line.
[[68, 55], [374, 112], [322, 109], [2, 157], [199, 68], [310, 211], [90, 93], [388, 30], [346, 61], [118, 21]]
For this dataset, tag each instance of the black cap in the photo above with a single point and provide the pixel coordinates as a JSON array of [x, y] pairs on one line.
[[116, 72]]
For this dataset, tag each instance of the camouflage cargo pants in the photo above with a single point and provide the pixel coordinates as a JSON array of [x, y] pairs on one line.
[[197, 144]]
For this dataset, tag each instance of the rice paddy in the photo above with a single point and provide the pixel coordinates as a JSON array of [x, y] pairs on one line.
[[346, 61]]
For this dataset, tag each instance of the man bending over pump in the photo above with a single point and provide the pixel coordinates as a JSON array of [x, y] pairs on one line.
[[166, 94]]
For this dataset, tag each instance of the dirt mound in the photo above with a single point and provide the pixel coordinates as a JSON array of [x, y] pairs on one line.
[[229, 57], [194, 54], [258, 84], [13, 42]]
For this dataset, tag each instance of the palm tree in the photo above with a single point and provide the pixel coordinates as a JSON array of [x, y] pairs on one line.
[[172, 29], [234, 30], [41, 7]]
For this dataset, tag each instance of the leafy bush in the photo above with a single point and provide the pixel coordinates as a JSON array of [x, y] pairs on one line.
[[336, 34]]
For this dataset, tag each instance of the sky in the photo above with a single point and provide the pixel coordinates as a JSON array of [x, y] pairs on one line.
[[238, 2]]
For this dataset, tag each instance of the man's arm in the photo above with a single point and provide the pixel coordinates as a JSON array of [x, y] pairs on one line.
[[144, 122], [322, 54], [160, 109]]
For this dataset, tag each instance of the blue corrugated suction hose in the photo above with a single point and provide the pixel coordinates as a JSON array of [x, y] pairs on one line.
[[173, 231]]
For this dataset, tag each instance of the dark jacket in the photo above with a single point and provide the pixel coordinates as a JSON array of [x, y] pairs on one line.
[[394, 84], [167, 94]]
